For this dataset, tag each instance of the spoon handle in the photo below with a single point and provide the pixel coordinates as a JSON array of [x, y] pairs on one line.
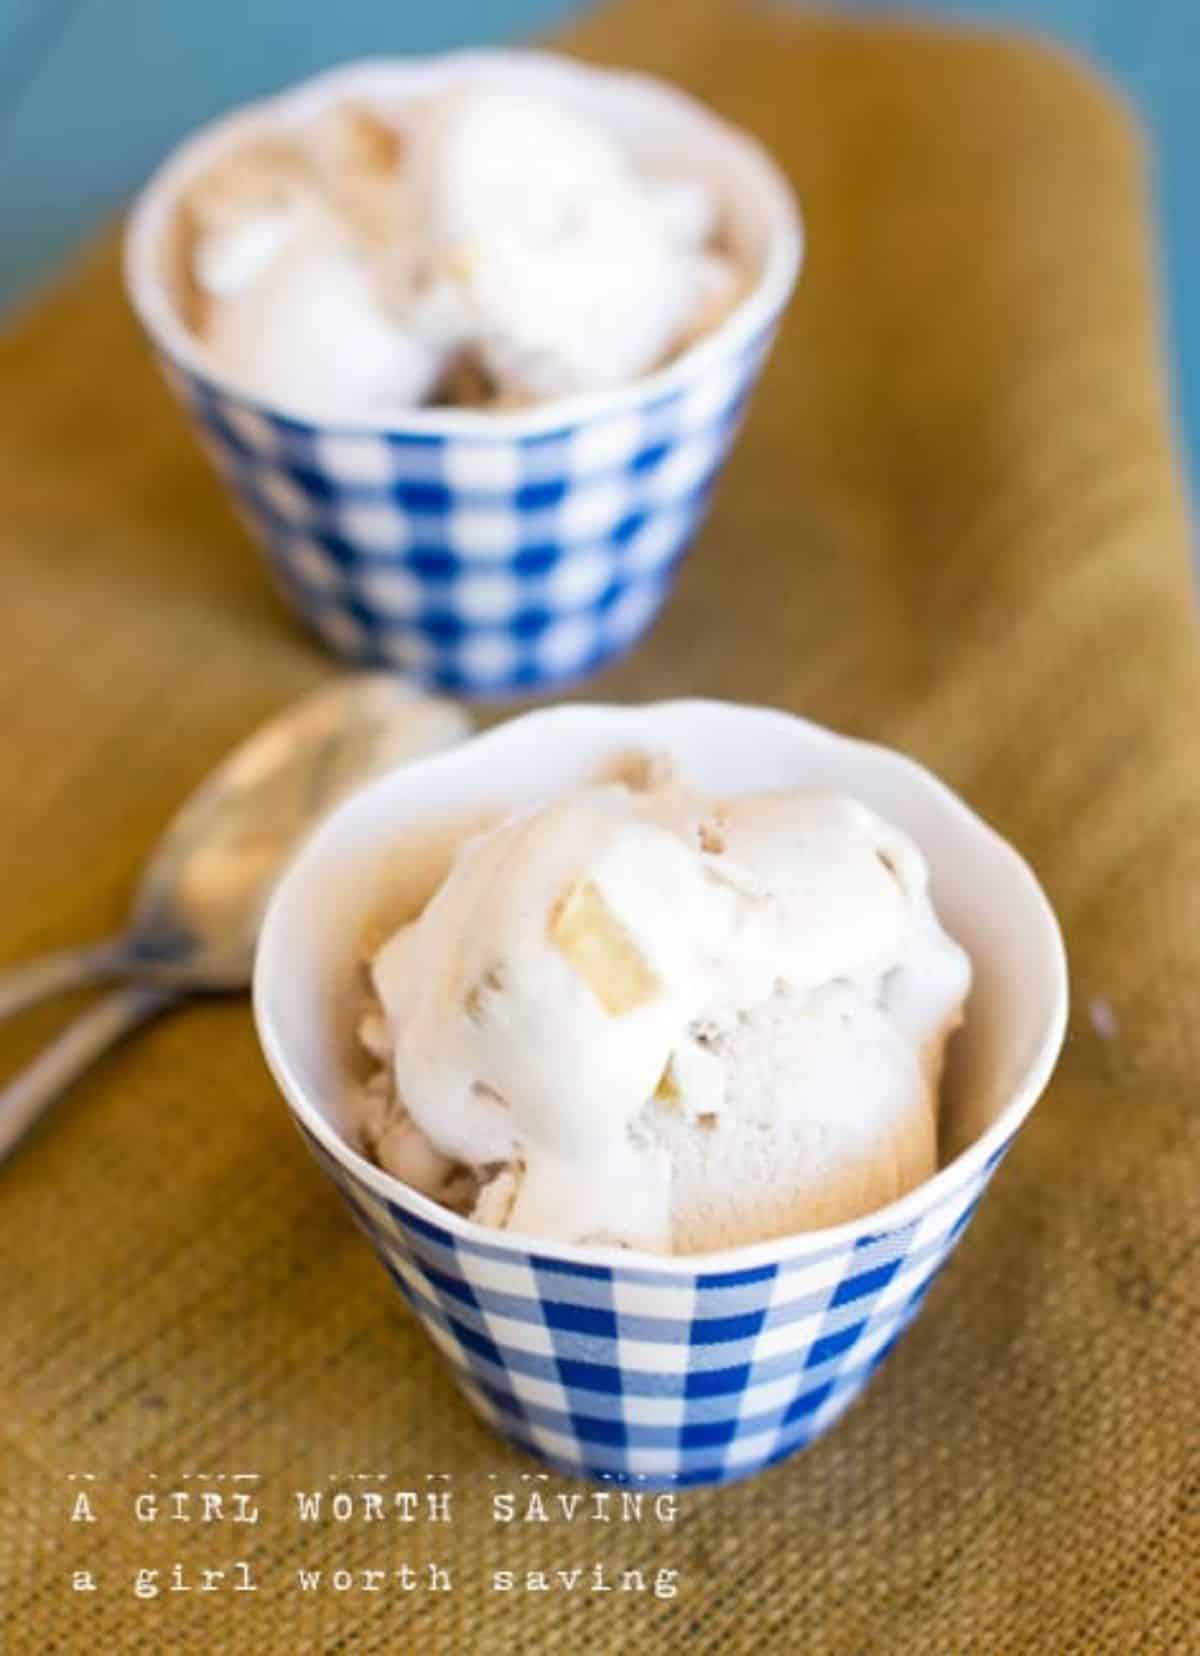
[[54, 974], [29, 1094]]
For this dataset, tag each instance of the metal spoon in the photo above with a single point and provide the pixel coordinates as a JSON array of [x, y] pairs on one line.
[[197, 912]]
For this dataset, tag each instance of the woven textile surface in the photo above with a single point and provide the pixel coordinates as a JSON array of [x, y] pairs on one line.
[[953, 523]]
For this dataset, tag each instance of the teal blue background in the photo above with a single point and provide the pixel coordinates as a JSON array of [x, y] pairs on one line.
[[93, 92]]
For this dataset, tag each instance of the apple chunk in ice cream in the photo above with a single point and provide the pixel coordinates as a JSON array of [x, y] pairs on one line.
[[645, 1016]]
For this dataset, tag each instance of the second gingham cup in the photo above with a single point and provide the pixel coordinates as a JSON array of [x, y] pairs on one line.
[[607, 1362], [488, 552]]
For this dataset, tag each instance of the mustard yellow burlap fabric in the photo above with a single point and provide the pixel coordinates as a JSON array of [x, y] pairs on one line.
[[954, 523]]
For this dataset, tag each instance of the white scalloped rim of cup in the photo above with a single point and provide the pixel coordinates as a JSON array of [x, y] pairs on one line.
[[984, 890], [617, 98]]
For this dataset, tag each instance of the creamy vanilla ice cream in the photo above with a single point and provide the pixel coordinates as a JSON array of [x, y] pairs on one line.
[[375, 260], [645, 1016]]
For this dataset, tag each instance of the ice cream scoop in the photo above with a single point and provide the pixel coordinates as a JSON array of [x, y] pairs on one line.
[[284, 239], [532, 238], [356, 266], [537, 1001], [307, 331], [642, 1015]]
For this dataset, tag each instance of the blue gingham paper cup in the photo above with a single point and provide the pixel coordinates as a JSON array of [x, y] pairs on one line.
[[613, 1363], [487, 552]]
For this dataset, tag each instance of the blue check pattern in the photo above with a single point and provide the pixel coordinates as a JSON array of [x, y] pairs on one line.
[[479, 565], [653, 1377]]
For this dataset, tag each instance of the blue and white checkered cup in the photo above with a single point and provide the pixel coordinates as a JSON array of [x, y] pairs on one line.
[[488, 553], [612, 1363]]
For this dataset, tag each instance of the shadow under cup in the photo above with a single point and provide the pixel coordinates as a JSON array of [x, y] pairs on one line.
[[619, 1365]]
